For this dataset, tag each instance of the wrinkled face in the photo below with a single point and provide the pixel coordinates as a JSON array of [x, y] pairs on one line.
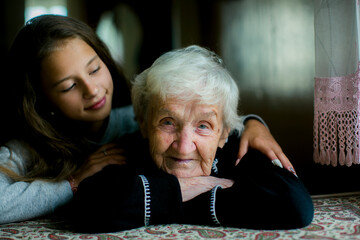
[[77, 82], [183, 138]]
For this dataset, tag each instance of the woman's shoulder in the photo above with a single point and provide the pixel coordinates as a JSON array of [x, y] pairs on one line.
[[224, 162], [17, 146], [231, 147], [123, 112], [121, 122]]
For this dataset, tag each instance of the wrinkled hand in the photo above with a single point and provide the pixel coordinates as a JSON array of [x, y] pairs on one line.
[[257, 136], [105, 155], [194, 186]]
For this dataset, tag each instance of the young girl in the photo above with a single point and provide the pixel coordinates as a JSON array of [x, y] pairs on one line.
[[61, 97], [66, 103]]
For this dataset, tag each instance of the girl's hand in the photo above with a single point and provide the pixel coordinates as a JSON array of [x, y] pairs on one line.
[[194, 186], [257, 136], [105, 155]]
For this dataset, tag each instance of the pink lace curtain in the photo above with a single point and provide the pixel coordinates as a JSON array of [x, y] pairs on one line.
[[336, 93]]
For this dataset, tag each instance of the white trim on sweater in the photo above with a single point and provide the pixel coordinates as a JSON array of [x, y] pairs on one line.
[[147, 200], [212, 204]]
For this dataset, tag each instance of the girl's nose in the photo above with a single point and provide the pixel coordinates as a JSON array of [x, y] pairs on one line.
[[91, 89], [185, 142]]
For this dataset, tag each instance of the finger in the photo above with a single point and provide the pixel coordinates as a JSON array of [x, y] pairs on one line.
[[96, 164], [106, 155], [115, 150], [107, 147], [277, 162], [244, 147], [269, 153], [119, 160], [286, 163], [99, 165], [278, 159]]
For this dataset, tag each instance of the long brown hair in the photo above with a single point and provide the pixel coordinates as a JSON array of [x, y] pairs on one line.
[[56, 144]]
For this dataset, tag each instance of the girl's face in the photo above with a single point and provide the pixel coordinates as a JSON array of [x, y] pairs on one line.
[[77, 82]]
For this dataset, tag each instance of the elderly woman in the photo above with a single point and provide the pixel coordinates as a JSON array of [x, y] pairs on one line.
[[186, 105]]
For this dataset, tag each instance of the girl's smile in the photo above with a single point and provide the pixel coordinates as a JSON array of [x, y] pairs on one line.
[[98, 104]]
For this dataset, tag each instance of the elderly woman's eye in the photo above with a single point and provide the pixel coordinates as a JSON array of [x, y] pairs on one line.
[[167, 123], [203, 129], [203, 126]]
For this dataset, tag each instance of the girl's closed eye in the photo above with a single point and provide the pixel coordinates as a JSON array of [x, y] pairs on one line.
[[69, 88], [95, 70]]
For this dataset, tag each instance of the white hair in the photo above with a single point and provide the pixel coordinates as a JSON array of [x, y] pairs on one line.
[[192, 73]]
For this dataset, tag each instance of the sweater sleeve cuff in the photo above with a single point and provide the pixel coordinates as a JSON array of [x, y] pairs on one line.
[[162, 200], [147, 200], [213, 204], [245, 118], [201, 210]]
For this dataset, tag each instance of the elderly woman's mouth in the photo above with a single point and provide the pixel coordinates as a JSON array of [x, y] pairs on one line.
[[182, 160]]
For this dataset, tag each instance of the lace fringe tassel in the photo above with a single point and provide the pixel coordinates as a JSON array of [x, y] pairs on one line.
[[340, 147], [337, 120]]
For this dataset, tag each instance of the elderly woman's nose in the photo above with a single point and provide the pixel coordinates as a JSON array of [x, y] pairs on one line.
[[185, 142]]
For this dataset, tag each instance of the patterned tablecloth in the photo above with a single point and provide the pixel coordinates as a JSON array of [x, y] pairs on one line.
[[335, 218]]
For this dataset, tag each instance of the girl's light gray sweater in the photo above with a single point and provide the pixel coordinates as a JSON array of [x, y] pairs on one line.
[[21, 200]]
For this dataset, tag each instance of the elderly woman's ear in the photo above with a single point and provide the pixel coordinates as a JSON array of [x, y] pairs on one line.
[[224, 137]]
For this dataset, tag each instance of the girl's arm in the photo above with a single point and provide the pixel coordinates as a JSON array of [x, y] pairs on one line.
[[22, 200], [256, 135]]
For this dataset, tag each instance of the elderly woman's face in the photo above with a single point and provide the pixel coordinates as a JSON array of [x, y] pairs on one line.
[[184, 138]]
